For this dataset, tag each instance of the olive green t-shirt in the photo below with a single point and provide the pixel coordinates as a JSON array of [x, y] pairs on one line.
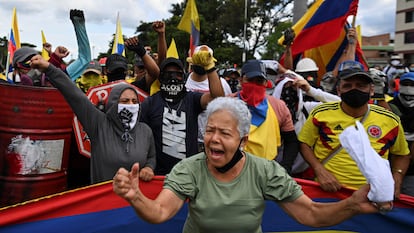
[[235, 206]]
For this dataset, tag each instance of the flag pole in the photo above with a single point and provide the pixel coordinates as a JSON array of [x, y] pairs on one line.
[[353, 21], [244, 32], [7, 64], [8, 59]]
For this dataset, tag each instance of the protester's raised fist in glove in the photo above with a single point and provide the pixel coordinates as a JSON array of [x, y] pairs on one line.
[[203, 56]]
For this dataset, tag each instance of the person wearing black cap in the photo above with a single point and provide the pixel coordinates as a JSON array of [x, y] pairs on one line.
[[271, 123], [319, 137], [172, 112], [116, 67]]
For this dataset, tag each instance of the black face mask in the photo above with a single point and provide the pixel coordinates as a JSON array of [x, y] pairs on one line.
[[236, 158], [172, 88], [233, 84], [355, 98], [290, 96], [116, 76], [311, 77]]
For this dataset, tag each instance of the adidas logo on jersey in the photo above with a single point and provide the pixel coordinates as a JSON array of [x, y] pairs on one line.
[[338, 127]]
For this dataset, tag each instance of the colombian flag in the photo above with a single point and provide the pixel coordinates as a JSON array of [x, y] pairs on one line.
[[118, 46], [97, 208], [14, 41], [190, 22], [321, 33]]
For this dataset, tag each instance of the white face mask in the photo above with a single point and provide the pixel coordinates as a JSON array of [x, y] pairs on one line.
[[134, 109], [406, 95], [395, 62]]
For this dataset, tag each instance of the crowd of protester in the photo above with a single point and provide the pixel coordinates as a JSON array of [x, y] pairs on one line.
[[295, 119]]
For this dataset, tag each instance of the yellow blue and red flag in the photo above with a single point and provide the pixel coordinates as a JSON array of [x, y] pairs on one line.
[[14, 41], [190, 22], [118, 46], [321, 34], [97, 208]]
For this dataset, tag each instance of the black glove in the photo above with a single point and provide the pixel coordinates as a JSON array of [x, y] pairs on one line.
[[76, 15], [289, 36], [135, 46]]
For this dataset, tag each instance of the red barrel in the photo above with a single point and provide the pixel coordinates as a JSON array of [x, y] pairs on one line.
[[35, 138]]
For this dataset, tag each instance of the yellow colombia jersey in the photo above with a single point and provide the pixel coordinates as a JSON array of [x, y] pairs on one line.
[[325, 123], [264, 140]]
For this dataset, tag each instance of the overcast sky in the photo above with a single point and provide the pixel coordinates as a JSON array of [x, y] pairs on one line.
[[52, 16]]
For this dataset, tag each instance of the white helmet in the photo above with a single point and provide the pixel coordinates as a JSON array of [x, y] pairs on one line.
[[306, 65]]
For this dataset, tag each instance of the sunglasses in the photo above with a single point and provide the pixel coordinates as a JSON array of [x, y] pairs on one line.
[[165, 75]]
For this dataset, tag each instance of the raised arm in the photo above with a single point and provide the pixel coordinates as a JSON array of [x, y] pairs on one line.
[[203, 62], [159, 27], [163, 208], [216, 89], [76, 68], [86, 112], [349, 53], [289, 35], [150, 65]]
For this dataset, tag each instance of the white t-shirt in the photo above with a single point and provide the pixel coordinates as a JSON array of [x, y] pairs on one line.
[[202, 87]]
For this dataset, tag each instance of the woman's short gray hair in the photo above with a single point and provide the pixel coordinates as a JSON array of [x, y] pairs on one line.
[[236, 107]]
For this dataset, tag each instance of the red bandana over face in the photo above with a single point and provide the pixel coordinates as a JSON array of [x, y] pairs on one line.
[[252, 93]]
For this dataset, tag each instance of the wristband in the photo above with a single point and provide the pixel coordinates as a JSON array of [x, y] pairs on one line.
[[199, 70], [140, 50], [211, 70]]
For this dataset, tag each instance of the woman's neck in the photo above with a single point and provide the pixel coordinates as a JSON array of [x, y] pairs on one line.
[[229, 175]]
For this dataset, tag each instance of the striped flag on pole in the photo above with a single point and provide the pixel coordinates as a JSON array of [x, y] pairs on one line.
[[190, 22], [118, 46]]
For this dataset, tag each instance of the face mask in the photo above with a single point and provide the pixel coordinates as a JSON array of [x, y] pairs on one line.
[[355, 98], [128, 114], [116, 76], [233, 84], [395, 62], [406, 96], [236, 158], [252, 93], [88, 80], [310, 76], [290, 96], [171, 87]]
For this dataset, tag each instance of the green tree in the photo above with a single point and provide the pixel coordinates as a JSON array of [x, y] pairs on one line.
[[221, 23]]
